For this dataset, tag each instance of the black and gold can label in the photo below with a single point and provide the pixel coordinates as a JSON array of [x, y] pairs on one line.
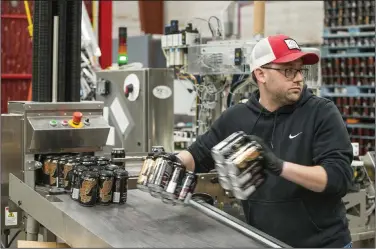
[[67, 168], [53, 172], [88, 190], [105, 190]]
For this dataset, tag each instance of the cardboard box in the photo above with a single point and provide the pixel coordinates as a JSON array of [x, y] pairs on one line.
[[40, 244]]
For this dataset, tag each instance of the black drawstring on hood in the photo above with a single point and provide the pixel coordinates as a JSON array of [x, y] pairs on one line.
[[254, 104]]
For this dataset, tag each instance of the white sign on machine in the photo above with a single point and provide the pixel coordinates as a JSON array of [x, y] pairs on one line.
[[10, 217], [162, 92]]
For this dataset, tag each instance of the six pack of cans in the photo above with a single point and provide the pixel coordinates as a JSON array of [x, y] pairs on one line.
[[165, 179], [237, 160], [89, 180]]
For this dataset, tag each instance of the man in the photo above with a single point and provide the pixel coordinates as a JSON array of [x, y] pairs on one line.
[[308, 151]]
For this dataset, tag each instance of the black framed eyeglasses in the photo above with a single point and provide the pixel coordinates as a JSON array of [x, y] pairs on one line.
[[290, 73]]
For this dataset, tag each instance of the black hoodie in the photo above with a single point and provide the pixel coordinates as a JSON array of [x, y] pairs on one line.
[[310, 132]]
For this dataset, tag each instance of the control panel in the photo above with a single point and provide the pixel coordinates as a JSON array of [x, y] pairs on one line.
[[65, 132], [76, 121]]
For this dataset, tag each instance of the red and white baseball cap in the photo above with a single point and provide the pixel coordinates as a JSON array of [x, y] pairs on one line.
[[279, 49]]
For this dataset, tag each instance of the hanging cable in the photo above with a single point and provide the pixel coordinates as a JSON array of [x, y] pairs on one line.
[[13, 238], [29, 19]]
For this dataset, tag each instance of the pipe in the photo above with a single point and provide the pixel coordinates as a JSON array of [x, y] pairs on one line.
[[15, 76], [258, 19], [32, 229], [55, 56]]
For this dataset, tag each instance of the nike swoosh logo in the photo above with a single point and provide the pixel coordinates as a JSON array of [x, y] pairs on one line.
[[291, 136]]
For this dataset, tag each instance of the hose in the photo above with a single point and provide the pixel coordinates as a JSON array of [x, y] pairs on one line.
[[234, 86], [13, 238], [6, 233]]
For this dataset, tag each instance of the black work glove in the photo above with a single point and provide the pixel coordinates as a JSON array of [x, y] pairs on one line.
[[269, 160]]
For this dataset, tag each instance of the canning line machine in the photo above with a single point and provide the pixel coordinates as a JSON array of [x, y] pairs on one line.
[[31, 129]]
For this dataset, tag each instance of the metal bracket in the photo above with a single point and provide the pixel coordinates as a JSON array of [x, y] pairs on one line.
[[352, 200]]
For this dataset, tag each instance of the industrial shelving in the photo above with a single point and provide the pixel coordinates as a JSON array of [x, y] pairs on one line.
[[348, 66]]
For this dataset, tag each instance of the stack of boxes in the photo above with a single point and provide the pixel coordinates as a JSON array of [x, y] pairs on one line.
[[348, 66]]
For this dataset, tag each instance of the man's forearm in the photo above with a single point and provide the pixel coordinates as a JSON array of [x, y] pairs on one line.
[[311, 177], [187, 159]]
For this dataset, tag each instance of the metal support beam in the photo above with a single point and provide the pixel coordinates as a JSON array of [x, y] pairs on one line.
[[105, 33]]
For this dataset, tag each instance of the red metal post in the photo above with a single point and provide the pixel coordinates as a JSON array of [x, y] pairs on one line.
[[105, 33]]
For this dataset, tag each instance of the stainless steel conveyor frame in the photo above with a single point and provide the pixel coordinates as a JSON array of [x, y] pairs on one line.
[[143, 221]]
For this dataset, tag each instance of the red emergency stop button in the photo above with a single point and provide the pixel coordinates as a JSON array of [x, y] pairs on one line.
[[77, 116]]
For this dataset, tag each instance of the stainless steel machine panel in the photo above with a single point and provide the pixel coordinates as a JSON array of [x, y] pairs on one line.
[[33, 128], [47, 129], [11, 162], [145, 117], [43, 136]]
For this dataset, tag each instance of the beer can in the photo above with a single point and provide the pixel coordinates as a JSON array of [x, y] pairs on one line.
[[152, 174], [111, 167], [46, 170], [68, 167], [157, 149], [225, 182], [239, 179], [230, 144], [177, 176], [75, 190], [106, 182], [166, 176], [169, 193], [187, 186], [222, 169], [53, 170], [60, 172], [89, 162], [243, 193], [241, 161], [120, 186], [143, 175], [88, 188], [102, 161], [161, 177], [118, 153]]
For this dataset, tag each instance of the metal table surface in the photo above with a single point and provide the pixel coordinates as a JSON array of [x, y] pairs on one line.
[[145, 221]]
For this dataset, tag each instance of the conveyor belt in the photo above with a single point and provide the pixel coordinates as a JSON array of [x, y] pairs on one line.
[[142, 222], [147, 222]]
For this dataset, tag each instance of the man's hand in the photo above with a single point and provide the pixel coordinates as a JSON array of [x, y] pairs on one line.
[[269, 161]]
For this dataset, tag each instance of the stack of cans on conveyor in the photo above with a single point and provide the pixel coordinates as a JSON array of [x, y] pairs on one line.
[[89, 180], [166, 179], [237, 160]]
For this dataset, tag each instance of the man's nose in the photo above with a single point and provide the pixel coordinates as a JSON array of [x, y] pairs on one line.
[[298, 77]]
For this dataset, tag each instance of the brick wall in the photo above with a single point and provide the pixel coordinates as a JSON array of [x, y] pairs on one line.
[[302, 20]]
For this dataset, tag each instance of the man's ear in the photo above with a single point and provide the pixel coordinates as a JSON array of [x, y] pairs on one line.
[[260, 75]]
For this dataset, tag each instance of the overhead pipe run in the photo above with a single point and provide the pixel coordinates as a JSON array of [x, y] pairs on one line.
[[258, 19]]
